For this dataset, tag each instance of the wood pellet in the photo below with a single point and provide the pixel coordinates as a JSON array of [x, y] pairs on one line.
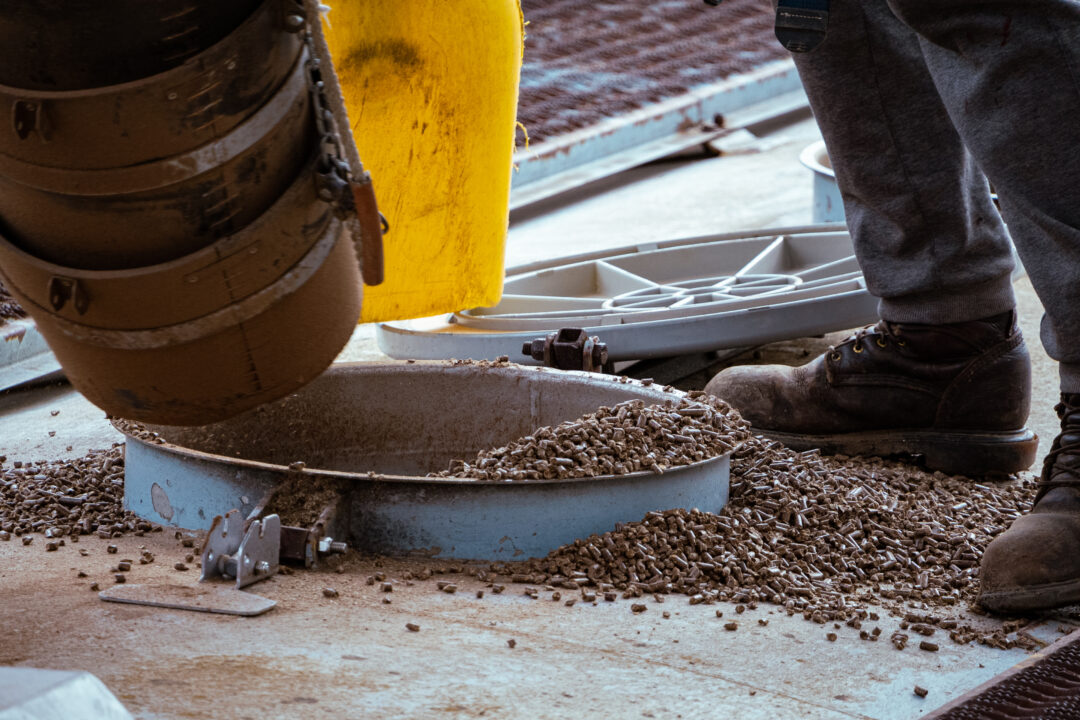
[[822, 537], [67, 498], [626, 438]]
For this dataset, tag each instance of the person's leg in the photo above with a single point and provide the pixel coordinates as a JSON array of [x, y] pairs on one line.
[[930, 242], [1009, 74], [946, 375]]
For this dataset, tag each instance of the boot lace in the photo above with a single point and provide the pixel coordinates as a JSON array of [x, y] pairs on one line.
[[1053, 473], [880, 333]]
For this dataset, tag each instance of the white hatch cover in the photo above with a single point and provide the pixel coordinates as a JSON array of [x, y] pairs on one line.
[[669, 298]]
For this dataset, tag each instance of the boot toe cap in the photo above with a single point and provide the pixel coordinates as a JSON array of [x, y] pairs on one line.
[[1035, 565], [752, 390]]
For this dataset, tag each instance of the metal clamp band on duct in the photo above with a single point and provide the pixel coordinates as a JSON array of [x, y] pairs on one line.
[[171, 235]]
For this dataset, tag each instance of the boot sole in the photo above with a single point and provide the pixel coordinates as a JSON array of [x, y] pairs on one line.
[[1032, 597], [974, 454]]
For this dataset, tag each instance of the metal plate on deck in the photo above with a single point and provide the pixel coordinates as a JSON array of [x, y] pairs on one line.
[[670, 298], [224, 599], [379, 428]]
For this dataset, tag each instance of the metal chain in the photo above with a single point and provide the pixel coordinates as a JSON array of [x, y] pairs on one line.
[[340, 175], [332, 170]]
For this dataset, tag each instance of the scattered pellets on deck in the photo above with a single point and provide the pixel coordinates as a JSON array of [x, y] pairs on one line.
[[5, 535], [329, 592], [387, 587], [762, 622], [556, 596], [928, 646], [739, 609], [412, 627], [189, 558], [570, 602], [180, 566], [921, 691], [51, 546], [27, 539], [479, 593], [82, 574], [823, 537], [831, 637], [449, 588], [496, 589], [123, 565], [512, 643], [188, 542], [731, 626], [719, 613], [386, 599], [120, 578], [667, 614], [638, 608], [370, 580], [95, 586], [112, 549], [611, 596], [380, 576]]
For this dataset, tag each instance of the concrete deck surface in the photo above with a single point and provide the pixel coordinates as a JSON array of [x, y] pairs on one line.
[[352, 657]]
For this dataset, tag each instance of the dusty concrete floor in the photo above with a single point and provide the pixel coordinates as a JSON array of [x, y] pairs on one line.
[[353, 657]]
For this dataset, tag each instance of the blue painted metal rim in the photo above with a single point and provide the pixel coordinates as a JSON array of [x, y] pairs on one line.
[[397, 514], [434, 517]]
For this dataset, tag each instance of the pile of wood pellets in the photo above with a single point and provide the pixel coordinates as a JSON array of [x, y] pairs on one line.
[[823, 537], [66, 498], [829, 538], [629, 437]]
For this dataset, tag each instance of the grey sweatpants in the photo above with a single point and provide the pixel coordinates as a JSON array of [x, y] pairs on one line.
[[919, 101]]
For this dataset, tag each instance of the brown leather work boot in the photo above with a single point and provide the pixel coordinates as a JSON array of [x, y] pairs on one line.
[[958, 395], [1035, 564]]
